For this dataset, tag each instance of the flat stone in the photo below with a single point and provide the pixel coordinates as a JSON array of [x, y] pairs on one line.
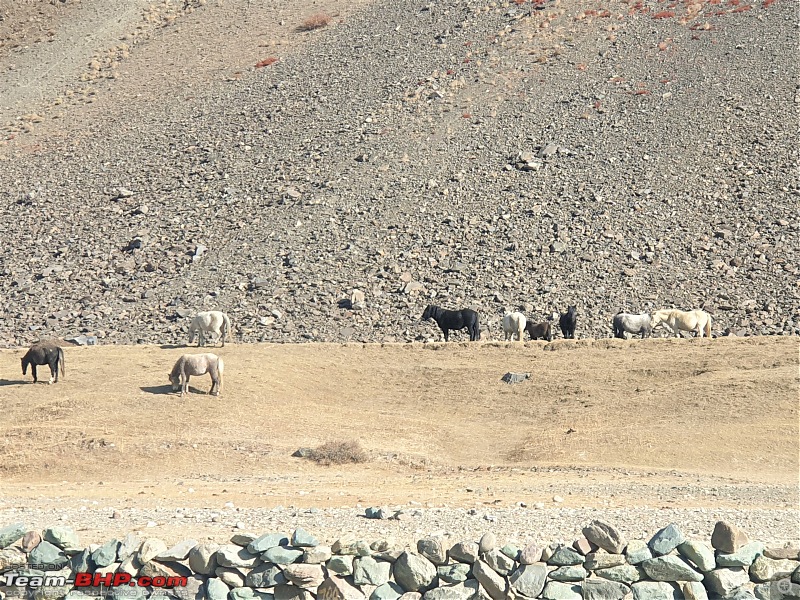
[[499, 562], [743, 557], [11, 558], [455, 573], [151, 548], [655, 590], [637, 551], [600, 589], [411, 596], [565, 556], [584, 546], [336, 588], [63, 537], [605, 536], [11, 534], [603, 560], [265, 575], [302, 539], [694, 590], [670, 568], [216, 589], [129, 544], [432, 550], [203, 558], [264, 542], [106, 554], [305, 576], [30, 540], [492, 582], [241, 593], [413, 572], [465, 552], [368, 571], [233, 556], [459, 591], [666, 540], [282, 555], [231, 576], [622, 573], [791, 552], [179, 551], [726, 580], [164, 569], [569, 573], [529, 580], [727, 537], [388, 591], [555, 590], [768, 569], [316, 554], [352, 546], [285, 591], [50, 556], [341, 564], [699, 553], [243, 538]]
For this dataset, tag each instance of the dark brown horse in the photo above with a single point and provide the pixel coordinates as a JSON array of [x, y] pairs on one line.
[[539, 331], [44, 353]]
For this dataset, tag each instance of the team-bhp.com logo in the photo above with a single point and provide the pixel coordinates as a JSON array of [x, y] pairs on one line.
[[89, 580]]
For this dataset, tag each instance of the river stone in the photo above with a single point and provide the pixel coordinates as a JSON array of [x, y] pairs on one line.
[[603, 560], [388, 591], [336, 588], [203, 558], [285, 591], [605, 536], [49, 555], [106, 554], [231, 555], [304, 576], [455, 573], [666, 540], [493, 583], [63, 537], [622, 573], [267, 541], [743, 557], [699, 553], [728, 537], [282, 555], [724, 581], [151, 548], [655, 590], [10, 558], [460, 591], [768, 569], [316, 554], [530, 554], [529, 580], [414, 572], [570, 573], [129, 544], [368, 571], [565, 556], [12, 533], [555, 590], [694, 590], [499, 562], [216, 589], [637, 551], [670, 568], [432, 550], [600, 589], [341, 564], [465, 552], [487, 543], [265, 575]]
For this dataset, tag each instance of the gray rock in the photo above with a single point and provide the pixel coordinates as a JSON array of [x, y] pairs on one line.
[[622, 573], [465, 552], [216, 589], [699, 553], [305, 576], [203, 558], [743, 557], [565, 556], [666, 540], [459, 591], [368, 571], [11, 533], [601, 589], [303, 539], [316, 554], [179, 551], [231, 576], [49, 555], [341, 564], [63, 537], [792, 552], [285, 591], [389, 555], [350, 545], [265, 575], [388, 591], [637, 552], [605, 536], [492, 582], [129, 544], [234, 556], [487, 543], [193, 590], [670, 568], [11, 558], [529, 580], [727, 537], [693, 590], [555, 590], [511, 378], [455, 573], [164, 569], [265, 542], [603, 560], [243, 539], [570, 573], [432, 550], [767, 569], [241, 593], [151, 548], [30, 540], [282, 555], [725, 581], [336, 588], [499, 562], [413, 572], [106, 554], [81, 562], [655, 590], [375, 512], [510, 551], [411, 596]]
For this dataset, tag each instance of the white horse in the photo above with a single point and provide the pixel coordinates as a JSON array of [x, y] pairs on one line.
[[210, 322], [640, 323], [514, 325], [197, 364], [697, 321]]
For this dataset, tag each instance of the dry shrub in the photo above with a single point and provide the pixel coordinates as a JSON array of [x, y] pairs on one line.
[[338, 453], [315, 21]]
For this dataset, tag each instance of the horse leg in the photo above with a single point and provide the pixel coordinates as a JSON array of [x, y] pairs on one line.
[[33, 370], [53, 372], [446, 334]]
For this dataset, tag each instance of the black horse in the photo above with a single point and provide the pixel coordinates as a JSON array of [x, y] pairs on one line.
[[455, 320], [44, 353], [567, 322]]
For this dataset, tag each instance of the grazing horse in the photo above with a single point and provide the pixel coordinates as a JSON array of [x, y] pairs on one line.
[[676, 320], [540, 331], [44, 353], [454, 319], [210, 322], [197, 364], [625, 322], [514, 325], [567, 322]]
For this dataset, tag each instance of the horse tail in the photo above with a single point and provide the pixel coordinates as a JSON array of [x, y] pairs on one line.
[[61, 360], [220, 369], [708, 326], [226, 327]]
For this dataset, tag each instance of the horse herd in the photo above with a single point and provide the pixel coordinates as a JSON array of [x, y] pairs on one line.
[[216, 326]]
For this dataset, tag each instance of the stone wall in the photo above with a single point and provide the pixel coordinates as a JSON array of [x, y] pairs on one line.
[[601, 565]]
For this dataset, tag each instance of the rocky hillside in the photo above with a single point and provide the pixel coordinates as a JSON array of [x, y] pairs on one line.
[[612, 155]]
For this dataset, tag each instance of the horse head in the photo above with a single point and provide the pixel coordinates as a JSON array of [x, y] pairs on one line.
[[24, 366], [175, 380], [429, 310]]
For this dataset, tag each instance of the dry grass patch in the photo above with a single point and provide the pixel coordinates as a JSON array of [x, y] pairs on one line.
[[338, 453], [315, 21]]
